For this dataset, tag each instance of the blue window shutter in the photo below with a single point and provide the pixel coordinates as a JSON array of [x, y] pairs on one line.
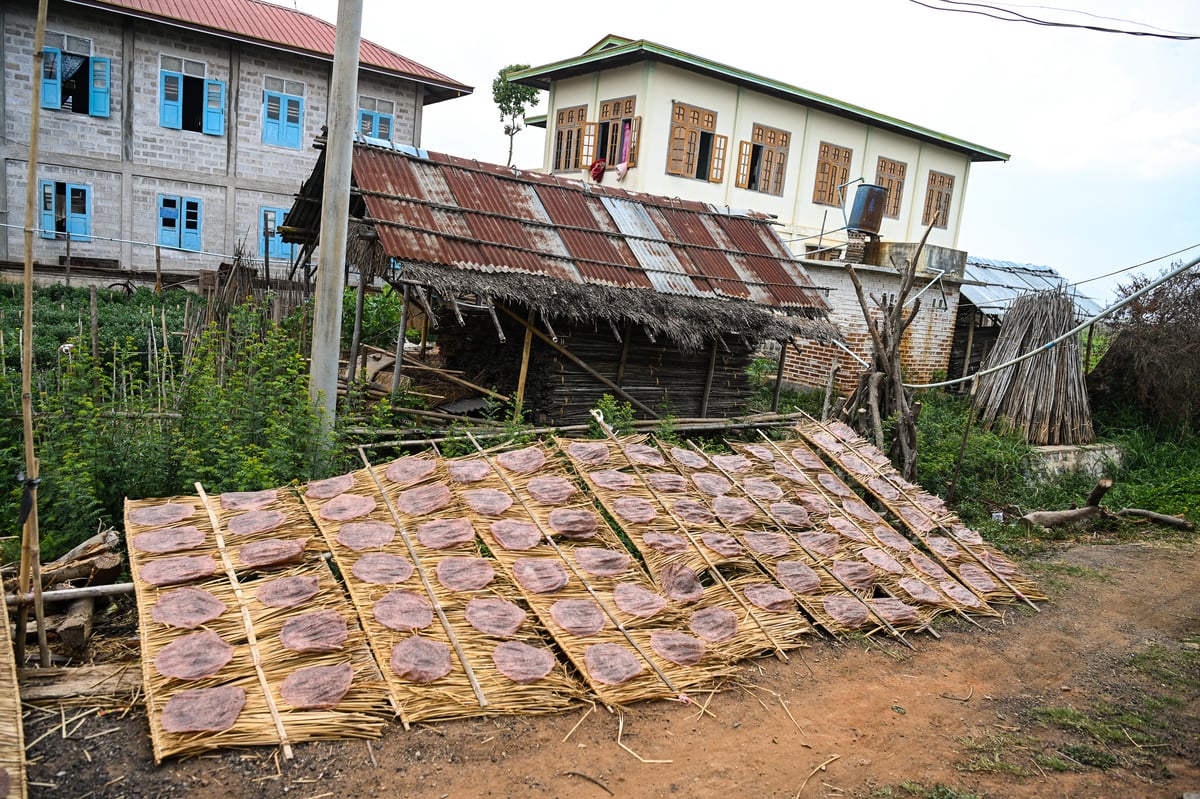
[[51, 77], [272, 118], [98, 101], [383, 127], [189, 231], [293, 122], [168, 221], [170, 99], [214, 107], [366, 123], [46, 212], [79, 212]]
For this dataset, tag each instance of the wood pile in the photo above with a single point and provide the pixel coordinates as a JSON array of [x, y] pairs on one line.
[[1044, 396]]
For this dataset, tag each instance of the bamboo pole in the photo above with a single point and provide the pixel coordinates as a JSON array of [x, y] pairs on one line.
[[400, 341], [525, 348], [31, 556], [708, 380]]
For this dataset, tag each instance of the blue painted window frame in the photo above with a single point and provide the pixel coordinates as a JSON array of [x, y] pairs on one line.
[[76, 222], [180, 221], [100, 89], [170, 110], [51, 77], [279, 249], [284, 127], [370, 124]]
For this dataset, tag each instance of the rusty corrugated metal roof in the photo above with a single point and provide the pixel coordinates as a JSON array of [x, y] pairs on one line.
[[440, 210], [278, 26]]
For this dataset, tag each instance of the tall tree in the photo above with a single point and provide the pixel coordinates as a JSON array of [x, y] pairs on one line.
[[513, 100]]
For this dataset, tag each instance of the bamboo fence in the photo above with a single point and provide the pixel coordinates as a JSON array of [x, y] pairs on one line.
[[259, 663], [474, 686]]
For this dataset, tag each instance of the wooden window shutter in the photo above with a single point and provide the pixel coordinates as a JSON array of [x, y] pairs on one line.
[[717, 172], [742, 178], [587, 145], [780, 167], [766, 177], [635, 131], [678, 150]]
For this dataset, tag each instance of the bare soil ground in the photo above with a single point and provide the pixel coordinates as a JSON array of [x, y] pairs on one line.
[[1098, 695]]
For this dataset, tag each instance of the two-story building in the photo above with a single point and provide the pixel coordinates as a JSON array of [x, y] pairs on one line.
[[179, 131], [663, 121]]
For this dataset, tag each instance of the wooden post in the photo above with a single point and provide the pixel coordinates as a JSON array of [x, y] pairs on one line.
[[95, 314], [779, 377], [68, 269], [624, 354], [400, 340], [157, 269], [31, 551], [966, 370], [708, 380], [1087, 353], [525, 349], [356, 339], [829, 384]]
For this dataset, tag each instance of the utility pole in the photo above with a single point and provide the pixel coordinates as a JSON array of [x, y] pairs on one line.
[[335, 211]]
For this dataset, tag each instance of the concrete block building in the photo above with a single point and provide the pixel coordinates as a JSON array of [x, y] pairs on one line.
[[176, 133]]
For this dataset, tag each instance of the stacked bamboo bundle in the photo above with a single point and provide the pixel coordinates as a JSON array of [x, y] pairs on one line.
[[1043, 397], [13, 782], [726, 574], [635, 637], [258, 665], [858, 541], [473, 686], [959, 550]]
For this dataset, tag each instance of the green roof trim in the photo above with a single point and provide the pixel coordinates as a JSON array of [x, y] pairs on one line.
[[618, 51]]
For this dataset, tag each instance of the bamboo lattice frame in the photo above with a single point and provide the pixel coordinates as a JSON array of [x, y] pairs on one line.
[[474, 686], [259, 663], [12, 733]]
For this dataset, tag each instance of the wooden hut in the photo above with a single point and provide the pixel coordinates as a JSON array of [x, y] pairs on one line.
[[556, 291]]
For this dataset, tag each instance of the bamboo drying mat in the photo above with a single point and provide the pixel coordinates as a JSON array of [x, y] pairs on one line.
[[759, 630], [12, 733], [474, 686], [939, 530], [662, 678], [259, 663]]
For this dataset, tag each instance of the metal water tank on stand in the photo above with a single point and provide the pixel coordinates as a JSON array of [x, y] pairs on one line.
[[867, 212]]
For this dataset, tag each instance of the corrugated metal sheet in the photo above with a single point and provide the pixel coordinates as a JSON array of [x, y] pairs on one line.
[[448, 211], [275, 25], [994, 284]]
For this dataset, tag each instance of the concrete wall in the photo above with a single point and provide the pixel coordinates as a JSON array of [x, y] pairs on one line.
[[128, 159]]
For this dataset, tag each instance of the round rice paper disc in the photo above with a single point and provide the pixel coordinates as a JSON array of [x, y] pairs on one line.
[[667, 543], [551, 490], [169, 539], [921, 592], [272, 552], [288, 592], [368, 534], [693, 512], [846, 611], [589, 453], [465, 574], [732, 463], [581, 617], [187, 608], [488, 501], [667, 482], [771, 544], [330, 487], [446, 533], [768, 597], [469, 471], [714, 624], [611, 664], [540, 575], [712, 484], [797, 577], [680, 583], [733, 510], [249, 500], [345, 507], [317, 687], [688, 458], [516, 535], [893, 611], [762, 488], [423, 500], [403, 611], [612, 480], [676, 647], [382, 568], [522, 663], [410, 469], [181, 569], [634, 510], [420, 660], [522, 461], [575, 524], [255, 521], [495, 616], [765, 454], [602, 562], [194, 656], [959, 594], [203, 709], [722, 544], [637, 601], [855, 574], [317, 631], [161, 515]]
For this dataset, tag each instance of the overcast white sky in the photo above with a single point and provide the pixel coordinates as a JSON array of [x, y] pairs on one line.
[[1104, 129]]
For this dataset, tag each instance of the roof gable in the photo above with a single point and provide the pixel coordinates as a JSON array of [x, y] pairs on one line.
[[615, 51], [277, 26]]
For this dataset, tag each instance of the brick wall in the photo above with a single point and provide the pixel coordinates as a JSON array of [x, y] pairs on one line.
[[925, 349]]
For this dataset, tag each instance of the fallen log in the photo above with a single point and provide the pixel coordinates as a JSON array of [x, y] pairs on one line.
[[115, 680], [75, 630], [1057, 518], [1158, 518]]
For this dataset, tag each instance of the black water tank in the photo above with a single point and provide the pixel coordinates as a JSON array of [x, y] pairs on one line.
[[867, 213]]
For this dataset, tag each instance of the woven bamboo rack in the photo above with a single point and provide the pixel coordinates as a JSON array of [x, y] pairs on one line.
[[474, 686], [12, 735], [259, 664]]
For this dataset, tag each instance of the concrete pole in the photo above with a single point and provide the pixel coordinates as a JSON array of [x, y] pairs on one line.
[[335, 211]]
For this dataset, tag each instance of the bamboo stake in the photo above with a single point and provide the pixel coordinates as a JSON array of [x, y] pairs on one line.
[[570, 565], [30, 542], [420, 569], [525, 348], [247, 623]]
